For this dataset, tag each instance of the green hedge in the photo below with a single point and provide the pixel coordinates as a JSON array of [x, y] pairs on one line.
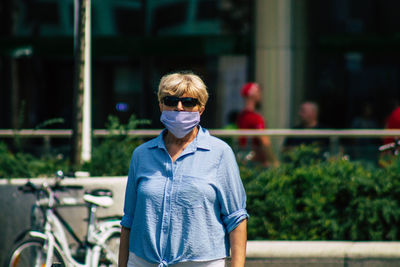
[[111, 155], [20, 164], [309, 198]]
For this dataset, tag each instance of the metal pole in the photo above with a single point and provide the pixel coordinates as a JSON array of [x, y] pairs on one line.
[[81, 138], [86, 153]]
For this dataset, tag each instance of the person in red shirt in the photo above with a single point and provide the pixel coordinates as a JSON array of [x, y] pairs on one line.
[[393, 122], [248, 118]]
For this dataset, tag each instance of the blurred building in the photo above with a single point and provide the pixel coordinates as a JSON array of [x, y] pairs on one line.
[[338, 53]]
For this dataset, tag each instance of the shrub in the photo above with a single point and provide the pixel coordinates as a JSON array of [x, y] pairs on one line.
[[321, 199], [111, 155], [309, 197], [26, 165]]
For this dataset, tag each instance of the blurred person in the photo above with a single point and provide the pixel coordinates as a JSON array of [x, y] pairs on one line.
[[366, 119], [365, 148], [184, 201], [393, 122], [260, 147], [308, 115], [390, 106]]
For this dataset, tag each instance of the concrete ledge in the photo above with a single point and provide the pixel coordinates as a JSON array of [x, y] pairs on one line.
[[116, 184], [322, 249]]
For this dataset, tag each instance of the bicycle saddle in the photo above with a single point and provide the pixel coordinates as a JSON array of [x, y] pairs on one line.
[[100, 192], [99, 197]]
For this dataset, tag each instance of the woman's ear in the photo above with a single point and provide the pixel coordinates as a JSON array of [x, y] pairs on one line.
[[201, 110]]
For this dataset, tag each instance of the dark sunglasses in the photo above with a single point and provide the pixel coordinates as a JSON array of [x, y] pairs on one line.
[[187, 102]]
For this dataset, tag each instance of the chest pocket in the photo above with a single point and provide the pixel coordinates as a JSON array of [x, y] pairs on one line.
[[192, 192]]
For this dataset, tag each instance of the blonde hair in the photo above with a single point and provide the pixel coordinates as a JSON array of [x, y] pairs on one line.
[[180, 83]]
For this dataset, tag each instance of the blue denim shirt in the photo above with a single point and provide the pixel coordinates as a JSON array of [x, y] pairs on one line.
[[183, 211]]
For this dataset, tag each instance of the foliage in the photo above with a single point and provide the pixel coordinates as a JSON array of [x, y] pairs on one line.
[[26, 165], [20, 164], [311, 198], [49, 122], [111, 155]]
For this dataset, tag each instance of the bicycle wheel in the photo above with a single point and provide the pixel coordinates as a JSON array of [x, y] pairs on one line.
[[31, 253], [109, 252]]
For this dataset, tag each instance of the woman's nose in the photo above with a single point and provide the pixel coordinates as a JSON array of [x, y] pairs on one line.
[[179, 106]]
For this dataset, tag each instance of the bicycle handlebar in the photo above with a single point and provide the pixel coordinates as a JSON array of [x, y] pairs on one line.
[[30, 187], [390, 146]]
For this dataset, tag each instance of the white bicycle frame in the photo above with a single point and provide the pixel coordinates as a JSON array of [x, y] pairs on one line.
[[55, 236]]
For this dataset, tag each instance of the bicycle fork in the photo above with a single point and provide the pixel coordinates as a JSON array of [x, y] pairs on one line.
[[53, 231], [47, 249]]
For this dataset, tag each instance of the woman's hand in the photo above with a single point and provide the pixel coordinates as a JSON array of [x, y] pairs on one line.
[[238, 241]]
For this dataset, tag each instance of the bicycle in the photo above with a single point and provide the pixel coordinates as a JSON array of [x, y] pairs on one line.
[[394, 149], [46, 244]]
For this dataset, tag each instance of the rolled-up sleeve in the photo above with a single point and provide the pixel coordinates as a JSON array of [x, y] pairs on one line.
[[130, 197], [232, 196]]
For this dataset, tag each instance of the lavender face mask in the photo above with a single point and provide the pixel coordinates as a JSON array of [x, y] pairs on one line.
[[180, 123]]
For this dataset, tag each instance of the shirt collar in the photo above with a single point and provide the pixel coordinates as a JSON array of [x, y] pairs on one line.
[[201, 140]]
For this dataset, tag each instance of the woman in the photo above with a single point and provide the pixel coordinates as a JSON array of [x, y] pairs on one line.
[[184, 200]]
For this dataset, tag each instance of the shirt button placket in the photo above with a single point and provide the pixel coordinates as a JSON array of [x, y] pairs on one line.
[[167, 204], [167, 208]]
